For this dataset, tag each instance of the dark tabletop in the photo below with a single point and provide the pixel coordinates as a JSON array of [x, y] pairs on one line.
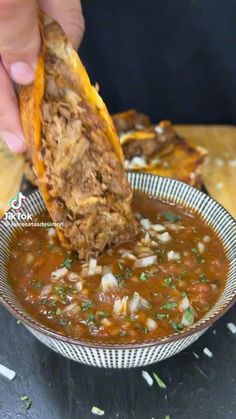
[[201, 388]]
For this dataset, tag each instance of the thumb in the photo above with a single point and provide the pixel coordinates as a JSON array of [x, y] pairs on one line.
[[19, 38]]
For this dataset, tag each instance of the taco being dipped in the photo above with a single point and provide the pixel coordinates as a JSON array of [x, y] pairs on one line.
[[76, 154]]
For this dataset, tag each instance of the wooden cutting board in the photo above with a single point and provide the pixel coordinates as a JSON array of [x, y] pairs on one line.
[[219, 174]]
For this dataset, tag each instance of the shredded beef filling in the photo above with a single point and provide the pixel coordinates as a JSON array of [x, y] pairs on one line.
[[130, 120], [83, 175], [149, 147]]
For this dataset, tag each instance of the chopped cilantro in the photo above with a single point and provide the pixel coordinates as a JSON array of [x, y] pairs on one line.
[[127, 274], [27, 402], [143, 276], [36, 284], [53, 303], [194, 250], [120, 264], [64, 322], [59, 289], [202, 275], [167, 417], [87, 305], [68, 263], [171, 217], [169, 306], [160, 383], [58, 312], [90, 318], [123, 333], [43, 301], [169, 282], [188, 316], [102, 314], [161, 316], [183, 294], [176, 326]]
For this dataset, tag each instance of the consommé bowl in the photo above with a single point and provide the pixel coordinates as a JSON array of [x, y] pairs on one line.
[[147, 352]]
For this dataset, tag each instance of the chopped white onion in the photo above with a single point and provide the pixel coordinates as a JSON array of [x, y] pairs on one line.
[[138, 216], [7, 373], [147, 377], [155, 162], [108, 282], [128, 255], [232, 163], [151, 324], [208, 353], [196, 355], [184, 303], [97, 411], [201, 247], [164, 237], [171, 255], [232, 327], [159, 129], [138, 161], [147, 238], [145, 223], [79, 285], [59, 273], [206, 239], [159, 228], [219, 162], [214, 287], [147, 261], [174, 227], [73, 276], [73, 307], [219, 185], [120, 306], [52, 232], [45, 290], [136, 302], [92, 267]]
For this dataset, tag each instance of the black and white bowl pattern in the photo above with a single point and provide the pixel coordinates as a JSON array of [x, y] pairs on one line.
[[140, 353]]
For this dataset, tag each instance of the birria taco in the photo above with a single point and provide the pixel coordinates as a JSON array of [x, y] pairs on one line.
[[76, 154]]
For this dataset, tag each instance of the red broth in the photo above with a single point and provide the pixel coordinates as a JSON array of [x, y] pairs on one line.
[[162, 282]]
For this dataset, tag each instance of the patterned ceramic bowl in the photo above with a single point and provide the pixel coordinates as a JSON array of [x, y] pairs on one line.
[[138, 354]]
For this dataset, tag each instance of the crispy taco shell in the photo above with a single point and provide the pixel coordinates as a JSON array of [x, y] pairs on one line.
[[76, 154]]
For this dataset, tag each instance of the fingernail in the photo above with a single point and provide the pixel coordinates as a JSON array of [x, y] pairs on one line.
[[15, 143], [22, 73]]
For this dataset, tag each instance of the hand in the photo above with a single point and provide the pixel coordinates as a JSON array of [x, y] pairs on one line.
[[19, 49]]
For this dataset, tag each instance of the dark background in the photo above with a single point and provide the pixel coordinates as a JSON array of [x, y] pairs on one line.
[[173, 59]]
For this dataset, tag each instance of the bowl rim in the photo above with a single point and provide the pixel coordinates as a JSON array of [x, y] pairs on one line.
[[196, 328]]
